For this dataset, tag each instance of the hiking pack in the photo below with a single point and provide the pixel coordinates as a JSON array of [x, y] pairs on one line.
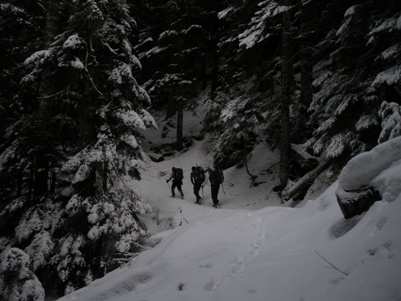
[[199, 175], [179, 174]]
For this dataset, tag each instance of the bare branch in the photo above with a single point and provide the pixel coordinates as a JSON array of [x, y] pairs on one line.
[[331, 265]]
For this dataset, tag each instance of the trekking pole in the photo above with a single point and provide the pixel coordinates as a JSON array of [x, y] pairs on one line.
[[222, 188]]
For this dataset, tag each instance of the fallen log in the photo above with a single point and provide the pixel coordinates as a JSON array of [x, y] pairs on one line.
[[355, 202], [301, 163], [156, 157], [305, 182]]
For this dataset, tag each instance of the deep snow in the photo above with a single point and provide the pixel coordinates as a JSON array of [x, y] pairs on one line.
[[253, 248]]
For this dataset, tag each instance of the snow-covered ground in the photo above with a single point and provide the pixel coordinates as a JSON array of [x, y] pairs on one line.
[[255, 249]]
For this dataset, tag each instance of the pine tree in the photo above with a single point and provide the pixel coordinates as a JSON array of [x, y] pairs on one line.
[[78, 144], [174, 51], [357, 81], [17, 281]]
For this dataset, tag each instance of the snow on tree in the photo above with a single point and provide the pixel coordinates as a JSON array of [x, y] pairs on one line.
[[70, 136], [257, 32], [390, 114], [83, 137], [342, 106], [17, 281], [234, 145]]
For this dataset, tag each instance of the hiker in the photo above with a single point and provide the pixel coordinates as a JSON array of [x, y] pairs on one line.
[[176, 175], [216, 178], [197, 179]]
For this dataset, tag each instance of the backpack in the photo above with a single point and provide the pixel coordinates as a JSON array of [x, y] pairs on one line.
[[199, 175], [179, 175]]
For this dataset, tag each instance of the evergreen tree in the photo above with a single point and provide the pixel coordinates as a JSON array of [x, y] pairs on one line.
[[324, 72], [75, 213], [20, 25], [17, 281], [175, 54], [250, 62], [357, 77]]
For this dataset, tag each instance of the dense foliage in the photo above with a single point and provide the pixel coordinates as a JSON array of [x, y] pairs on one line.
[[71, 139], [324, 75], [354, 51]]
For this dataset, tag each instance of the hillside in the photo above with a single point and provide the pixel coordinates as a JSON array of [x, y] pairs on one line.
[[242, 252]]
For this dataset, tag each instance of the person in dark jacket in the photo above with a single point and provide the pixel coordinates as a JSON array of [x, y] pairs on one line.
[[176, 176], [197, 179], [215, 181]]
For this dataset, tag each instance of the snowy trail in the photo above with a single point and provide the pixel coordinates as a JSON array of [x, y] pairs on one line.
[[251, 226], [174, 212], [168, 211], [267, 254]]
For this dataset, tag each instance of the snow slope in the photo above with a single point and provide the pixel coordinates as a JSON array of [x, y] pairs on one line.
[[254, 249]]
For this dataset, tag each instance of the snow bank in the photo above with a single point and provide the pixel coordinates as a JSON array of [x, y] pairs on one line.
[[362, 169]]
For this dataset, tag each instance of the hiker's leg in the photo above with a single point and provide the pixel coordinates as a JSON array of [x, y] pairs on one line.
[[173, 188], [180, 189], [215, 191], [197, 187]]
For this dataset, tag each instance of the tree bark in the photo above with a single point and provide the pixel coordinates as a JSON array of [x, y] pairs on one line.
[[286, 92], [356, 202], [308, 24], [51, 30], [105, 174], [180, 121], [306, 181], [215, 57]]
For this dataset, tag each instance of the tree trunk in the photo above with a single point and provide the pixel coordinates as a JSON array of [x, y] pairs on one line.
[[180, 129], [286, 92], [105, 174], [215, 57], [46, 89], [51, 30], [356, 202], [53, 182], [305, 182], [307, 27], [308, 24]]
